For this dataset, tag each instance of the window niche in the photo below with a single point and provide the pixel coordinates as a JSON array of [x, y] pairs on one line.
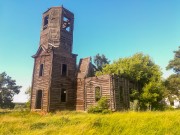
[[63, 95], [46, 21], [64, 70], [97, 93], [66, 24], [41, 70]]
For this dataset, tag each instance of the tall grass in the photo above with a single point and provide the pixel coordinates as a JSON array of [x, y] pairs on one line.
[[76, 123]]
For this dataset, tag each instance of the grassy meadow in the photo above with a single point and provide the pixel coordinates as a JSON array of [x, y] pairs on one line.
[[79, 123]]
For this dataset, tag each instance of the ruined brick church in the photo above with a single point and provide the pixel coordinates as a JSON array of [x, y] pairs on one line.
[[58, 83]]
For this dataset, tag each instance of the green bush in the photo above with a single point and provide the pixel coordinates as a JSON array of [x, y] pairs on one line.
[[101, 107], [27, 105], [169, 108], [94, 109], [134, 106], [106, 111], [103, 103]]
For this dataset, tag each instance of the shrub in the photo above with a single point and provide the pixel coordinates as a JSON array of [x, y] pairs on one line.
[[134, 106], [106, 111], [94, 109], [101, 107], [103, 103], [169, 108]]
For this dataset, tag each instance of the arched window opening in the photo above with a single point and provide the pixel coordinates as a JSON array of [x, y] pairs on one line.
[[39, 99], [63, 95], [41, 70], [46, 20], [66, 24], [64, 70], [97, 93]]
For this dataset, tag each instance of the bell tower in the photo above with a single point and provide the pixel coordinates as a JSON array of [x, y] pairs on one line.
[[54, 79], [57, 29]]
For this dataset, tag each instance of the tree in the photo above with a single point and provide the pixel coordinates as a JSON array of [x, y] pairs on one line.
[[173, 84], [8, 89], [175, 63], [100, 61], [28, 92], [152, 94], [173, 81], [141, 69]]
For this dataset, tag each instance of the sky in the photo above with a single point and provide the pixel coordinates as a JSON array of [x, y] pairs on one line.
[[116, 28]]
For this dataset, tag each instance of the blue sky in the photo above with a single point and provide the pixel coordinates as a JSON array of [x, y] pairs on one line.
[[116, 28]]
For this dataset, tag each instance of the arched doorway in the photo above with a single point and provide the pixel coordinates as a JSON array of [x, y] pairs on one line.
[[39, 99]]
